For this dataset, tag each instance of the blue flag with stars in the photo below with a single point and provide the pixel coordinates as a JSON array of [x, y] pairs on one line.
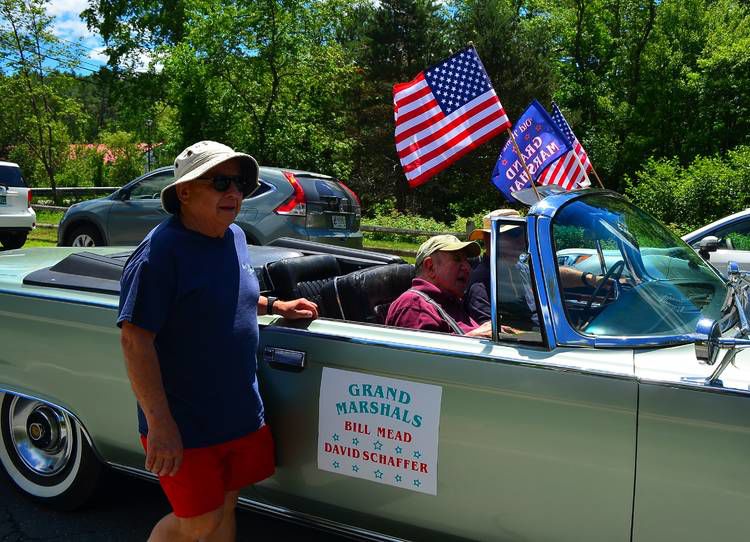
[[540, 141]]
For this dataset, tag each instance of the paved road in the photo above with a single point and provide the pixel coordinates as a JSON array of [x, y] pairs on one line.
[[123, 512]]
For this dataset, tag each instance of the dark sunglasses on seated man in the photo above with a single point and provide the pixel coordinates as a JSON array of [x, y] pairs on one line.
[[221, 183]]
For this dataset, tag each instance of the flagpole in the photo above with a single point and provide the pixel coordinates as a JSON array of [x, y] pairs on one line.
[[601, 184], [523, 163]]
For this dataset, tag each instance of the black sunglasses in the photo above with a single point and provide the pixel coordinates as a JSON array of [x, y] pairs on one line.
[[221, 183]]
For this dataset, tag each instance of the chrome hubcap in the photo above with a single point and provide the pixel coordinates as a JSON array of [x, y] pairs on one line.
[[41, 435], [83, 240]]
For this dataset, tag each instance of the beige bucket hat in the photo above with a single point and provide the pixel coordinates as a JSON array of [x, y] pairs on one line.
[[487, 222], [199, 158], [446, 243]]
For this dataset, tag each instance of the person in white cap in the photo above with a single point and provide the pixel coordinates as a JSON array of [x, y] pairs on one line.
[[188, 311]]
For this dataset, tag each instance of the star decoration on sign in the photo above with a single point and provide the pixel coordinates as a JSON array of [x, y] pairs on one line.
[[399, 450], [336, 464], [505, 162], [378, 445], [355, 468], [417, 483], [335, 437], [379, 474], [538, 127], [398, 478], [527, 137], [355, 441], [417, 454]]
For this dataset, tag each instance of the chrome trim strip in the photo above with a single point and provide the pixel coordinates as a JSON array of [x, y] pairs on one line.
[[545, 311], [338, 297], [455, 353], [282, 513], [61, 300], [698, 386], [494, 240]]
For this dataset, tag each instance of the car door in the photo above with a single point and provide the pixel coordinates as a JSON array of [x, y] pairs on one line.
[[693, 441], [528, 446], [530, 443], [130, 219], [734, 245]]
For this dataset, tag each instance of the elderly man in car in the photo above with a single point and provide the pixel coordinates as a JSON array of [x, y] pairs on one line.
[[434, 301]]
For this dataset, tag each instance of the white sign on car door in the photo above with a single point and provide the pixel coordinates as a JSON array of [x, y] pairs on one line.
[[379, 429]]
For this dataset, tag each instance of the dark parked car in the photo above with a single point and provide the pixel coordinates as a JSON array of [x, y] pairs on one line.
[[288, 203]]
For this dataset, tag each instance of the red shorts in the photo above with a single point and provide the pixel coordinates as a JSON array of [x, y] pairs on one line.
[[206, 474]]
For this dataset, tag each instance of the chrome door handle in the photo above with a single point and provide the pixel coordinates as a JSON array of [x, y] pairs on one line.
[[284, 359]]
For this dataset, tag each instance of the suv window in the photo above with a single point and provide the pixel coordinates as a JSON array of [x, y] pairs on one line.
[[11, 176], [151, 187]]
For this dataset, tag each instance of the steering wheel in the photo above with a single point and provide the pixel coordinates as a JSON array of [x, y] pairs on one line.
[[617, 268]]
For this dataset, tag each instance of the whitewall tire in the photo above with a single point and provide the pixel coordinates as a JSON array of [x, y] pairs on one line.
[[45, 453]]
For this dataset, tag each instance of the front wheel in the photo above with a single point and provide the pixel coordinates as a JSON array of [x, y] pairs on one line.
[[45, 453], [84, 235]]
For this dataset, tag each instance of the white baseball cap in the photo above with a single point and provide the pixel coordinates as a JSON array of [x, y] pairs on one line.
[[196, 160]]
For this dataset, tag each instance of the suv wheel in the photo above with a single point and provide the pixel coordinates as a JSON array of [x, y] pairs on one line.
[[13, 240], [84, 235]]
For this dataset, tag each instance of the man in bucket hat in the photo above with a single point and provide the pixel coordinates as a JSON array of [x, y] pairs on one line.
[[433, 302], [188, 311], [477, 298]]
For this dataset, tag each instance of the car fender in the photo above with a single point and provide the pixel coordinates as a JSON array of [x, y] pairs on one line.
[[82, 218]]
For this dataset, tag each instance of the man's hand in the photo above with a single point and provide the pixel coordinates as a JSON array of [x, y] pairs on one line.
[[296, 309], [485, 330], [163, 447]]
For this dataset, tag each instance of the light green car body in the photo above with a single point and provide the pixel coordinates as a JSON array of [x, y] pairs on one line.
[[535, 443]]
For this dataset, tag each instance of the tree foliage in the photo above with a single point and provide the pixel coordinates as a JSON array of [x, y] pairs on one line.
[[658, 91]]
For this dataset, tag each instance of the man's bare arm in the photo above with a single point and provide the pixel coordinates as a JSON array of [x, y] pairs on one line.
[[164, 453]]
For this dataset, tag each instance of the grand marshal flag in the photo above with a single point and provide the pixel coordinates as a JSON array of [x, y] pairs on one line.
[[443, 113], [541, 143]]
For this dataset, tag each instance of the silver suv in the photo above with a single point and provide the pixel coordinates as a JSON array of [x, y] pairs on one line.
[[17, 218], [288, 203]]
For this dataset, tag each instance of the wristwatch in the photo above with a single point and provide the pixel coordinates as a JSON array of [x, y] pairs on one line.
[[584, 279], [270, 300]]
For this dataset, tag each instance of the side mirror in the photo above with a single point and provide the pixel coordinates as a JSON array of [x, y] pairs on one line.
[[707, 245], [707, 343], [123, 195]]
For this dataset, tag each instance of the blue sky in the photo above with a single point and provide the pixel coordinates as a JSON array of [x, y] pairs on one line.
[[68, 26]]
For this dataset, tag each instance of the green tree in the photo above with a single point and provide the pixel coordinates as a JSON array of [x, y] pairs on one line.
[[36, 112]]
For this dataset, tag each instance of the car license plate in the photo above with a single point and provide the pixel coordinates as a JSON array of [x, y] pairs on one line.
[[339, 222]]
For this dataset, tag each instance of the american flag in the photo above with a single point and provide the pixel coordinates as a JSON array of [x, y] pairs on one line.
[[570, 170], [443, 113]]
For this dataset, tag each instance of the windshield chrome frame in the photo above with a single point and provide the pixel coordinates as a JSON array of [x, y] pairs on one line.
[[564, 333]]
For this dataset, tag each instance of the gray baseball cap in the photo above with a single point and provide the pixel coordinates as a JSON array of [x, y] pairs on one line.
[[446, 243], [199, 158]]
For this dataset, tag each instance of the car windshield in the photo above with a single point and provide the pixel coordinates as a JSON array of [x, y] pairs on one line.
[[624, 274]]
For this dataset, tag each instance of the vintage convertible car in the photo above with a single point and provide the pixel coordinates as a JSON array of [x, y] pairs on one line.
[[617, 410]]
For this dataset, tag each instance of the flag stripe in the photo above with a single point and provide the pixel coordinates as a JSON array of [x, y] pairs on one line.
[[486, 98], [455, 118], [447, 134], [493, 128], [402, 90], [421, 179], [427, 109], [417, 101]]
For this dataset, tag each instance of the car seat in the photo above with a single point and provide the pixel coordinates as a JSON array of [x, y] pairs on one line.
[[304, 276], [365, 295]]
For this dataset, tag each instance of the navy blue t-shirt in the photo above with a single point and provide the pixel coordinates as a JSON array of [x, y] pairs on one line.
[[199, 295]]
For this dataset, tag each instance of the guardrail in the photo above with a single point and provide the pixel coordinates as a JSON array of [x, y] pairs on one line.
[[75, 191]]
